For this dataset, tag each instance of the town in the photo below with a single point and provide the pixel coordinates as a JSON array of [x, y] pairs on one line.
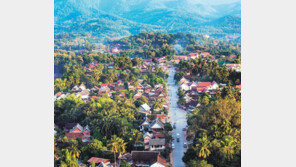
[[113, 110]]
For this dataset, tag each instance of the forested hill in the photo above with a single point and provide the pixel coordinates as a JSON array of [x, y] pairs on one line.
[[150, 45], [126, 17]]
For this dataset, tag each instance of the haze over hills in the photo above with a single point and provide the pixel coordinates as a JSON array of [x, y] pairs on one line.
[[126, 17]]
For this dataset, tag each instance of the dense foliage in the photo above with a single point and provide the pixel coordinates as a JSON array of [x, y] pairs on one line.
[[150, 45], [216, 130], [208, 71]]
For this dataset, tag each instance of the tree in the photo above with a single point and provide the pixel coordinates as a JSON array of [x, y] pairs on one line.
[[168, 127], [117, 145], [93, 164], [93, 148], [60, 85], [124, 164], [198, 163], [228, 147], [136, 136], [181, 93], [74, 148], [203, 147], [69, 109], [67, 159]]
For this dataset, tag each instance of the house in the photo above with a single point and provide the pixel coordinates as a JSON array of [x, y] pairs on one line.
[[176, 61], [84, 94], [119, 87], [192, 85], [78, 89], [147, 158], [147, 136], [156, 126], [161, 162], [232, 57], [131, 87], [137, 95], [206, 85], [144, 108], [162, 117], [214, 85], [184, 80], [214, 60], [205, 54], [103, 90], [201, 89], [235, 67], [184, 87], [147, 88], [100, 162], [75, 130], [158, 135], [180, 57], [156, 144], [161, 95], [193, 56], [140, 88], [95, 89], [109, 85], [115, 50], [145, 124], [157, 86]]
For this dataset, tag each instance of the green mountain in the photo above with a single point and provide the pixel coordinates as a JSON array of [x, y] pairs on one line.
[[126, 17]]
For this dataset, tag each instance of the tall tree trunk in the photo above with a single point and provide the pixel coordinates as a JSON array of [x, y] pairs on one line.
[[115, 159]]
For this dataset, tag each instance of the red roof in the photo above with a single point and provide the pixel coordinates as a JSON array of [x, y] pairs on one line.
[[204, 84], [201, 89], [98, 160], [232, 65], [107, 84], [91, 66], [159, 135], [74, 136], [213, 83], [192, 54], [233, 56], [205, 54], [161, 160]]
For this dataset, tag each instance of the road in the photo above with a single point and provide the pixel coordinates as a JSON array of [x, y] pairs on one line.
[[177, 116]]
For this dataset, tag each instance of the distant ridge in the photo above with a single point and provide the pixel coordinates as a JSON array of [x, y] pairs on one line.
[[126, 17]]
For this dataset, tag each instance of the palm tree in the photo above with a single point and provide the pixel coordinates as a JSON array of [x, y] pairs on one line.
[[74, 151], [136, 136], [203, 147], [117, 145], [228, 147]]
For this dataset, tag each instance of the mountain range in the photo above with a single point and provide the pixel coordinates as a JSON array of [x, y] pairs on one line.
[[126, 17]]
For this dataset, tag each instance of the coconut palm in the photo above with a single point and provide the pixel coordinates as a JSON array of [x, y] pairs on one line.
[[117, 145], [74, 151], [203, 147], [228, 145]]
